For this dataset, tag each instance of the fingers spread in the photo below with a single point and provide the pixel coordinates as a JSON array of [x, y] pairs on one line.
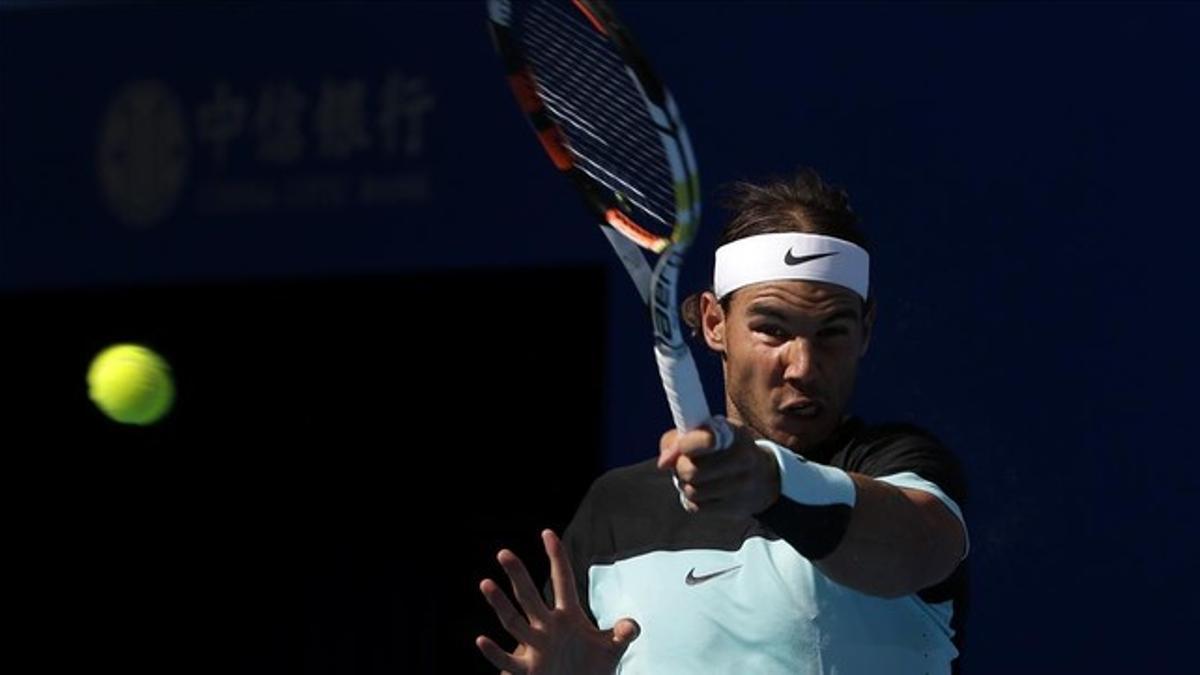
[[497, 656], [523, 587], [510, 618], [562, 579]]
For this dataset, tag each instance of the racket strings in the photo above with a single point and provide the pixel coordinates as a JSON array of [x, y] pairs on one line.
[[566, 35], [594, 100], [598, 86]]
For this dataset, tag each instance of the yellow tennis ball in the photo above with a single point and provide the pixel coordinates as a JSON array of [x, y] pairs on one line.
[[131, 384]]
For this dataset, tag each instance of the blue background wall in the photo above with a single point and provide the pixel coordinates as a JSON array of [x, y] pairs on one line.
[[1026, 174]]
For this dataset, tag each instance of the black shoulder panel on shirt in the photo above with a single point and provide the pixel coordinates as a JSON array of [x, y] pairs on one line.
[[886, 449]]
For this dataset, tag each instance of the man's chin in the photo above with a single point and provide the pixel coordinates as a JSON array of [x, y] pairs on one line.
[[799, 434]]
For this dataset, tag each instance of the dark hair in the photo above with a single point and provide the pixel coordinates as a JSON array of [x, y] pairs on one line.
[[801, 202]]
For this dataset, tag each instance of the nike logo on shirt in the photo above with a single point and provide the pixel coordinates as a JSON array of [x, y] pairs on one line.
[[691, 579]]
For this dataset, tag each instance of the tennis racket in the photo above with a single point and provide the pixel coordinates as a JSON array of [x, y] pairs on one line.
[[610, 126]]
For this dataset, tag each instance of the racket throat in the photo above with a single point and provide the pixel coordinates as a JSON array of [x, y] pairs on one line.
[[663, 299]]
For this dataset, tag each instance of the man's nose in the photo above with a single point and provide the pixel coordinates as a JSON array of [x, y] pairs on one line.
[[798, 360]]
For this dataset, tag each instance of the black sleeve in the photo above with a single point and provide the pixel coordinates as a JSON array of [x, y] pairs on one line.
[[897, 448]]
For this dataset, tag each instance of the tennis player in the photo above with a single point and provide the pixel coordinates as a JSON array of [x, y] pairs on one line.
[[815, 543]]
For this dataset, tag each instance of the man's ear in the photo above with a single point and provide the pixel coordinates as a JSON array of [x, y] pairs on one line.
[[868, 326], [712, 320]]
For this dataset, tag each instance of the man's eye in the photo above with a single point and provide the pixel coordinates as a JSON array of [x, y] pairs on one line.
[[770, 331], [833, 331]]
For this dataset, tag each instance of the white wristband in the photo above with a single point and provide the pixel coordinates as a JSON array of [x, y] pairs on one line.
[[806, 482]]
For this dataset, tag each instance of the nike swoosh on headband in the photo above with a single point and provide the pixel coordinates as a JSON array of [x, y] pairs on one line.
[[789, 259]]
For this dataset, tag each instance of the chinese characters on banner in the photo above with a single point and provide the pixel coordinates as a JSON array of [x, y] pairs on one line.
[[272, 147]]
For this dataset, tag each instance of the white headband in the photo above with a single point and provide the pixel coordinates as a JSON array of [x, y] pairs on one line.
[[791, 255]]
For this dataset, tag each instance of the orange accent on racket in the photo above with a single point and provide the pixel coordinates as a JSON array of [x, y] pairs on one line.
[[556, 146], [622, 223], [590, 17]]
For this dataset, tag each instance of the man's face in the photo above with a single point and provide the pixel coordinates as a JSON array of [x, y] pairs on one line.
[[791, 355]]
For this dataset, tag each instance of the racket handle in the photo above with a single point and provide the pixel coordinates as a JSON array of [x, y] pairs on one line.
[[681, 381], [685, 394]]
